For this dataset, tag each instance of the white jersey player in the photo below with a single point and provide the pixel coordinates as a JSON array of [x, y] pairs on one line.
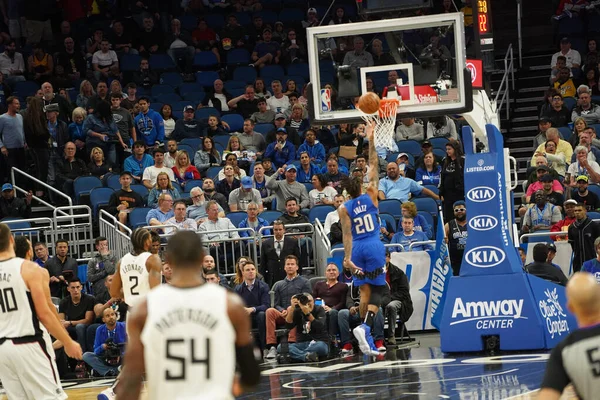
[[186, 337], [138, 271], [27, 362]]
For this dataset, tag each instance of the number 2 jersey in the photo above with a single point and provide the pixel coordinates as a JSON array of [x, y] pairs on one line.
[[364, 217], [17, 313], [189, 343], [134, 276]]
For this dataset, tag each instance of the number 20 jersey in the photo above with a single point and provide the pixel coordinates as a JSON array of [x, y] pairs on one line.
[[134, 276], [364, 217], [189, 343]]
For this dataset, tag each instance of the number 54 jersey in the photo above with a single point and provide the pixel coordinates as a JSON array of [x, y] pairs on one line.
[[189, 343]]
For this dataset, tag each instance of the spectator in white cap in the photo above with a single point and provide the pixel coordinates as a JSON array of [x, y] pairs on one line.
[[188, 126], [404, 166], [244, 195], [311, 18]]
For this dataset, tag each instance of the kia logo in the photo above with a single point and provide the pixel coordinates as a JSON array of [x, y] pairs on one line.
[[485, 256], [483, 223], [481, 194]]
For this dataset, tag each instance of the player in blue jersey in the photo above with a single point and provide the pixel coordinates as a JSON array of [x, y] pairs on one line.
[[364, 251]]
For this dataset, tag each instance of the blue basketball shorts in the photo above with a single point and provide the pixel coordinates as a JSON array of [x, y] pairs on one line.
[[369, 255]]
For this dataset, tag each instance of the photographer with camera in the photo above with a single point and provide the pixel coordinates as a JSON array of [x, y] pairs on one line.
[[108, 345], [310, 322]]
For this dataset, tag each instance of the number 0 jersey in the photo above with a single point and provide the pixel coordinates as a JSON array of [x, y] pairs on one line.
[[134, 276], [189, 343], [364, 217], [17, 313]]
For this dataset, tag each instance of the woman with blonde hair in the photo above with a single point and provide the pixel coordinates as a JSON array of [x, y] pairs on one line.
[[76, 132], [409, 210], [183, 169], [163, 186], [98, 166], [86, 91], [579, 126], [238, 278]]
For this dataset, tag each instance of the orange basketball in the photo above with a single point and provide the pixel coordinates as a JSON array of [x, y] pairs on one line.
[[368, 103]]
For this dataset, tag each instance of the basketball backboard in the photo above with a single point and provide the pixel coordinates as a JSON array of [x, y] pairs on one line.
[[423, 60]]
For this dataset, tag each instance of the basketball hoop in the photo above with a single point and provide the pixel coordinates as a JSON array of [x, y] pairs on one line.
[[385, 122]]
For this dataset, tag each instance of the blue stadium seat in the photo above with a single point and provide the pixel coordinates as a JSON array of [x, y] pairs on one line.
[[141, 190], [187, 148], [161, 62], [84, 184], [426, 204], [594, 188], [113, 182], [236, 217], [233, 84], [594, 215], [192, 183], [235, 121], [156, 106], [157, 90], [246, 74], [206, 112], [26, 88], [130, 62], [440, 153], [188, 22], [273, 72], [409, 146], [215, 21], [194, 143], [571, 26], [213, 172], [237, 91], [207, 78], [391, 206], [302, 4], [137, 217], [243, 18], [223, 140], [269, 17], [16, 223], [196, 97], [238, 57], [299, 69], [181, 104], [168, 98], [300, 82], [263, 129], [82, 274], [177, 114], [270, 216], [430, 220], [172, 79], [291, 15], [309, 186], [566, 132], [389, 221], [100, 197], [439, 142], [206, 60], [570, 103], [320, 212], [433, 188], [187, 87], [271, 4]]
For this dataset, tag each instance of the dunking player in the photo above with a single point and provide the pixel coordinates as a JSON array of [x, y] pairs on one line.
[[27, 365], [187, 336], [364, 252], [137, 273]]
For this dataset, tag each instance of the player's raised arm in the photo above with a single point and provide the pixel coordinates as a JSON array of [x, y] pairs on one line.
[[244, 348], [373, 187], [130, 381]]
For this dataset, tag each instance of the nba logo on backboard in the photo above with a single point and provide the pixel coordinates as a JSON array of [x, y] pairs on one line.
[[325, 99]]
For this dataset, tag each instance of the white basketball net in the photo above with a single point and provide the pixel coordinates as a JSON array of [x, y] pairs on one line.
[[385, 122]]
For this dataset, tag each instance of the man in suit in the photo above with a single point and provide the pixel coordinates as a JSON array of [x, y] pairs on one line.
[[274, 252]]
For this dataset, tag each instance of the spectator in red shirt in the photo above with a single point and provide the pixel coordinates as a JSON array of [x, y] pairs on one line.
[[205, 39], [563, 224]]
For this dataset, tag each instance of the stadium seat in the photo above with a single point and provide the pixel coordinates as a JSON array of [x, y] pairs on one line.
[[161, 62], [206, 112], [594, 215], [16, 223], [570, 103], [299, 69], [237, 91], [215, 21], [223, 140], [205, 60], [571, 26], [273, 72], [309, 186], [238, 57], [236, 217], [269, 17], [243, 18], [137, 216], [168, 98], [100, 197], [213, 172], [426, 204], [141, 190], [233, 84], [235, 121], [156, 106], [566, 132], [439, 142], [291, 15], [433, 188], [192, 183], [188, 22], [130, 62], [113, 182], [440, 153], [196, 97], [389, 221], [172, 79], [430, 220], [391, 206], [300, 82], [82, 274], [188, 87], [26, 88], [270, 216], [263, 129], [594, 188], [181, 104], [320, 212], [207, 78], [194, 143], [246, 74], [409, 146], [157, 90], [188, 149], [84, 184]]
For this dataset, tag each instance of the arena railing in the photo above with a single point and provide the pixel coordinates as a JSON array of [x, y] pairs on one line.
[[426, 242], [25, 176], [117, 234], [322, 247], [39, 230], [506, 84], [74, 223], [309, 248], [386, 245]]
